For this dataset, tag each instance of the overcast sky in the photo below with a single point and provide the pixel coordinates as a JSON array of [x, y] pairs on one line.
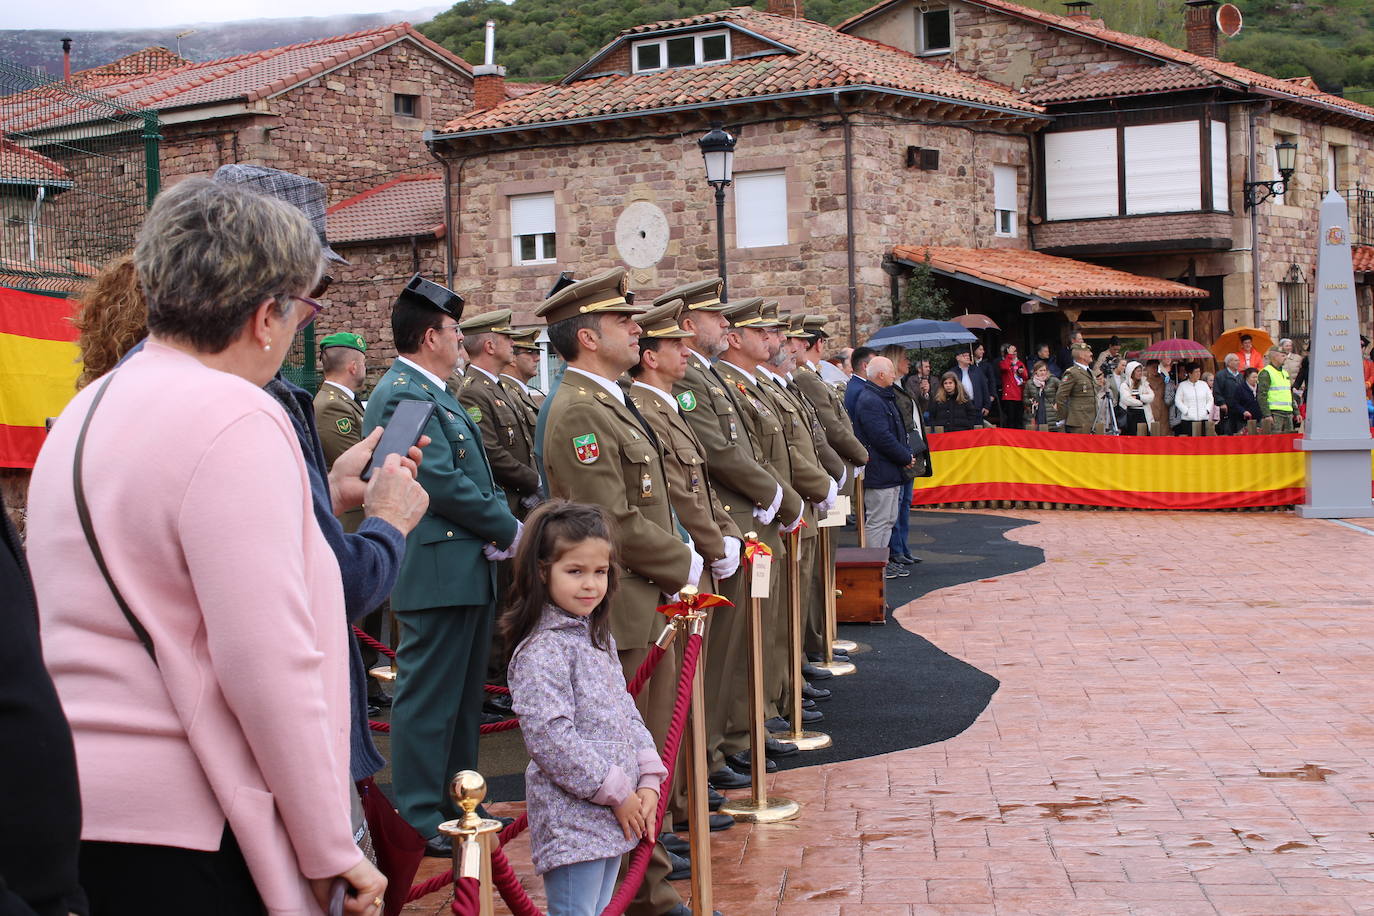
[[131, 14]]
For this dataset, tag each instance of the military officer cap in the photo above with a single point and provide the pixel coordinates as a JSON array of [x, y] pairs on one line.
[[699, 296], [603, 294], [748, 313], [497, 322], [427, 294], [525, 338], [815, 326], [344, 339], [661, 321], [564, 279], [793, 323]]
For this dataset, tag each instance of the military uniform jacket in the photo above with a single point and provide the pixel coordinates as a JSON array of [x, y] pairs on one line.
[[771, 425], [523, 403], [595, 451], [444, 564], [1076, 399], [509, 450], [689, 485], [828, 403], [742, 480], [827, 457], [339, 420]]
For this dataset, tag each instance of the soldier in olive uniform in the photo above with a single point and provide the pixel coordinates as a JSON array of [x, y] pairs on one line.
[[1076, 399], [523, 366], [597, 448], [662, 363], [753, 497], [487, 338], [444, 598]]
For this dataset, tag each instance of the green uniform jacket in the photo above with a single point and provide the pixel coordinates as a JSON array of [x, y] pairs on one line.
[[829, 406], [595, 451], [444, 565], [339, 420], [509, 450], [1076, 399]]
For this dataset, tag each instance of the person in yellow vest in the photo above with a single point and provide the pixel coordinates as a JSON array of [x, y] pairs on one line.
[[1275, 393]]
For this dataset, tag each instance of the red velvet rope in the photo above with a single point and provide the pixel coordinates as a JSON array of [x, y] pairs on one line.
[[390, 653], [502, 874]]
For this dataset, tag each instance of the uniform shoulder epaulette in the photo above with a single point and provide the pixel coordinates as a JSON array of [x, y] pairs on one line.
[[467, 381]]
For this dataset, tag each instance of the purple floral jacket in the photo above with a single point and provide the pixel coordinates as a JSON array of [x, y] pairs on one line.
[[589, 749]]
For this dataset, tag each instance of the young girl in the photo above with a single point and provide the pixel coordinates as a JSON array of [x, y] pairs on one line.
[[594, 775]]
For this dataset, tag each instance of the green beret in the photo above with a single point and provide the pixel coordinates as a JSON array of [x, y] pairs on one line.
[[344, 339]]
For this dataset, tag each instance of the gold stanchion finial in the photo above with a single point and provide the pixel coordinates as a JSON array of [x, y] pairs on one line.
[[468, 790]]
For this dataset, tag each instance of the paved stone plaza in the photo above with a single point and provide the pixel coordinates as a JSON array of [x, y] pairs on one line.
[[1185, 725]]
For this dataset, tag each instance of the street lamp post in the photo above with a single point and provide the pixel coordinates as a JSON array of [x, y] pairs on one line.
[[718, 149], [1286, 158]]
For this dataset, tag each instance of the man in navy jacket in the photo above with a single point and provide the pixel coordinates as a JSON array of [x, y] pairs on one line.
[[879, 426]]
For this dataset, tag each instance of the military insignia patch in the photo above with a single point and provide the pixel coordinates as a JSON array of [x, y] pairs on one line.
[[475, 413], [586, 448], [687, 401], [742, 389], [345, 425]]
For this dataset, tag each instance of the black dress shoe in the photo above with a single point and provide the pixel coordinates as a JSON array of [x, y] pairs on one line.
[[812, 673], [382, 699], [718, 822], [491, 718], [777, 724], [904, 559], [714, 799], [728, 778], [439, 847], [681, 867], [743, 763], [815, 693], [493, 706], [910, 560], [373, 711], [774, 748], [675, 844], [808, 704]]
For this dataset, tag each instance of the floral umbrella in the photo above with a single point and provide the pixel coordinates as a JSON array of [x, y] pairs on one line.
[[1177, 348]]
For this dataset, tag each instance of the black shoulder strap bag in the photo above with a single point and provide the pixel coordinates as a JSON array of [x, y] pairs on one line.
[[84, 514]]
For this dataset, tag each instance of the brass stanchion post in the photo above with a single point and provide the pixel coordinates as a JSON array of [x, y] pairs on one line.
[[759, 808], [693, 623], [386, 674], [473, 837], [804, 740], [839, 669], [859, 511]]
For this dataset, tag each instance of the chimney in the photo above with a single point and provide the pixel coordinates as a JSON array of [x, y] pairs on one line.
[[488, 80], [792, 9], [66, 60], [1078, 9], [1200, 25]]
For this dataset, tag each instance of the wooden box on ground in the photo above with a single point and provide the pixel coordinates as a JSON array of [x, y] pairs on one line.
[[859, 579]]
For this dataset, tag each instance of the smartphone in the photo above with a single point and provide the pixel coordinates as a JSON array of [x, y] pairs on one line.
[[404, 429]]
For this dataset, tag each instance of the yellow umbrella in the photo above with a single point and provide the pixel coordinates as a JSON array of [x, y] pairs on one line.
[[1230, 342]]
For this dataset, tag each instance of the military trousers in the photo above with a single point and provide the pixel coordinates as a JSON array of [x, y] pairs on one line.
[[655, 703], [806, 567], [440, 668], [775, 635]]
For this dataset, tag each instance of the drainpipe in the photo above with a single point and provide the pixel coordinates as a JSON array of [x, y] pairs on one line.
[[33, 222], [849, 220], [450, 236], [1256, 307]]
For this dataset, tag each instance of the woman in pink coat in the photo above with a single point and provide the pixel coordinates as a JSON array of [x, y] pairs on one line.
[[1014, 376], [213, 757]]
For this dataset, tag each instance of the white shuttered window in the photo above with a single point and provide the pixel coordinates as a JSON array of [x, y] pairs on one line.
[[1080, 174], [1221, 198], [1163, 168], [760, 209], [1004, 198], [532, 228]]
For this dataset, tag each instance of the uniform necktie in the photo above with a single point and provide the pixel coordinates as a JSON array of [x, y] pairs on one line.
[[643, 424]]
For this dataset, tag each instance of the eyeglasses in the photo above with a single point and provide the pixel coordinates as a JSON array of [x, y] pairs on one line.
[[315, 309], [448, 327]]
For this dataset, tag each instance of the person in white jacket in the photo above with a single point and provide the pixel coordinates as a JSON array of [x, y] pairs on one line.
[[1193, 400], [1136, 398]]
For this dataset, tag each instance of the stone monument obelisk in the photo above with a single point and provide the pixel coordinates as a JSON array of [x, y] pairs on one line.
[[1336, 430]]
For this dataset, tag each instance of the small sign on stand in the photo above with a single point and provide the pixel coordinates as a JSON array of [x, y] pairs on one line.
[[1336, 428]]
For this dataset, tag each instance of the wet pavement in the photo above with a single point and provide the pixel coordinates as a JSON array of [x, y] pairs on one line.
[[1185, 724]]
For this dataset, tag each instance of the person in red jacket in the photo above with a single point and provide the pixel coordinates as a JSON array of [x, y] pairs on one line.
[[1014, 376]]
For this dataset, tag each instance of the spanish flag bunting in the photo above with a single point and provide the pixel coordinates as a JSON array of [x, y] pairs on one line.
[[691, 600], [752, 548], [39, 364]]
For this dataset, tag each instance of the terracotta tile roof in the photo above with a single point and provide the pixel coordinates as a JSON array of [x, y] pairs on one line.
[[23, 166], [1222, 70], [147, 60], [1363, 257], [823, 59], [244, 78], [1128, 79], [406, 206], [515, 90], [1032, 273]]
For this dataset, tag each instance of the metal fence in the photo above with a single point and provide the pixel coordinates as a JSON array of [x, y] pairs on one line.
[[77, 173], [1361, 203]]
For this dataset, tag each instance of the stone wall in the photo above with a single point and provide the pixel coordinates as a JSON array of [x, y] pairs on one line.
[[1127, 230], [593, 182]]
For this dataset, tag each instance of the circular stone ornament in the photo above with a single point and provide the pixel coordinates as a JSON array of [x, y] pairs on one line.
[[641, 234]]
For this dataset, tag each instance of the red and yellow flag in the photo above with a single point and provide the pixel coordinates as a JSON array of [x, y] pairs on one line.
[[39, 363]]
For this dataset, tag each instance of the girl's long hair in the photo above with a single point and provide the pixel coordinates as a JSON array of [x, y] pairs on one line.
[[959, 396], [550, 531]]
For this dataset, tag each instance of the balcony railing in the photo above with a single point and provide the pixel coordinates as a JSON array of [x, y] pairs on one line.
[[1361, 203]]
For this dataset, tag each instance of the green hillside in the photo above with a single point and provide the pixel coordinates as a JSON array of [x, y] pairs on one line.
[[543, 40]]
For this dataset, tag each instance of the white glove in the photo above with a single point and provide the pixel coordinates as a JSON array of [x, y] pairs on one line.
[[529, 502], [491, 553], [788, 529], [726, 566], [844, 476], [694, 574], [824, 505], [766, 515], [858, 472]]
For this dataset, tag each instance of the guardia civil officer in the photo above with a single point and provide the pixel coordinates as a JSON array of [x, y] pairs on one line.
[[444, 598]]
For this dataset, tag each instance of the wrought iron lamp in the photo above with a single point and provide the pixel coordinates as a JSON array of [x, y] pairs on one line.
[[718, 149], [1257, 192]]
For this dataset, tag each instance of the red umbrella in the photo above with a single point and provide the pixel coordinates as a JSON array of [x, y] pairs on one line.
[[1177, 348], [975, 322]]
